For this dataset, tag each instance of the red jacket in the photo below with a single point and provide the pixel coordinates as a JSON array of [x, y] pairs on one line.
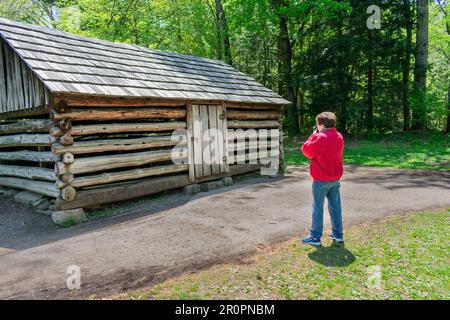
[[325, 149]]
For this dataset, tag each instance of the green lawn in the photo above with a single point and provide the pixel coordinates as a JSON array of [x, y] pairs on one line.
[[405, 151], [411, 251]]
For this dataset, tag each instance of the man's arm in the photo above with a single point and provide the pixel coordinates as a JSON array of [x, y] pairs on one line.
[[312, 146]]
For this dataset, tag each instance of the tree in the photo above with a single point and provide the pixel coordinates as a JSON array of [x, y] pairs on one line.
[[420, 69], [285, 56], [406, 64], [444, 7], [224, 48]]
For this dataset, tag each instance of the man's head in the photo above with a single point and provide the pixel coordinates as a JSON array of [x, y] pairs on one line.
[[326, 120]]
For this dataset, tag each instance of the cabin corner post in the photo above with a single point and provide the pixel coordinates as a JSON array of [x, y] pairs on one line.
[[60, 131]]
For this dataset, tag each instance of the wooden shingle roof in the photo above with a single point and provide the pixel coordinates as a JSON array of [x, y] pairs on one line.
[[69, 64]]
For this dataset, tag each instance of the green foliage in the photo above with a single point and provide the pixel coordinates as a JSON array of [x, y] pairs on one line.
[[332, 48]]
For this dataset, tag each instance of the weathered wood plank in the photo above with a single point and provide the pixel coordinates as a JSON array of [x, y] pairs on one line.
[[252, 156], [252, 115], [198, 134], [215, 157], [98, 101], [190, 141], [3, 100], [32, 173], [42, 110], [26, 140], [25, 155], [68, 193], [226, 165], [83, 130], [83, 101], [119, 114], [97, 146], [106, 178], [24, 126], [45, 188], [125, 191], [18, 83], [235, 124], [206, 150], [255, 106], [220, 138], [100, 163]]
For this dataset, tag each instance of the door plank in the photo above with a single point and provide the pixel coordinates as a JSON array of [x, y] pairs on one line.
[[214, 142], [190, 141], [198, 160], [206, 141]]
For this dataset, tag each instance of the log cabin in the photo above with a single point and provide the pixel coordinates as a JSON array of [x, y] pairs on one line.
[[87, 122]]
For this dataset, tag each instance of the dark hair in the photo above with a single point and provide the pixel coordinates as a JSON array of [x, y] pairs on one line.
[[328, 119]]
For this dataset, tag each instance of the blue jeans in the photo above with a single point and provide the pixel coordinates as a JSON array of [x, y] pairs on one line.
[[330, 190]]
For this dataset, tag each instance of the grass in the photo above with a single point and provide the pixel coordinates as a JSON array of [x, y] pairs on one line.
[[405, 151], [410, 251]]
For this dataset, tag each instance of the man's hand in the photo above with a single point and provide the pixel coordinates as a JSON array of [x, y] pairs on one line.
[[315, 130]]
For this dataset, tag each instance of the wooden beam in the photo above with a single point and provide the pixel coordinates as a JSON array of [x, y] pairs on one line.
[[34, 156], [235, 124], [32, 173], [68, 158], [45, 188], [233, 170], [68, 193], [125, 191], [100, 163], [92, 101], [33, 126], [106, 178], [252, 115], [118, 114], [26, 140], [126, 128], [25, 113], [99, 101], [97, 146], [66, 139]]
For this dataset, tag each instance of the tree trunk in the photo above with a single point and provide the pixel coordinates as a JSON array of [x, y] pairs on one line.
[[406, 66], [225, 46], [447, 129], [420, 69], [285, 56], [370, 87]]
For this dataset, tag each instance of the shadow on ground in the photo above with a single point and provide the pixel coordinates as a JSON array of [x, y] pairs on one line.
[[394, 179], [335, 255], [21, 228]]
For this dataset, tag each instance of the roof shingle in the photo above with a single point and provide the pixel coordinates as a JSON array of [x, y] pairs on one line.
[[70, 64]]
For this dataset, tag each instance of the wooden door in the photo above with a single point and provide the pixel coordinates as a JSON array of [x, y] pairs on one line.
[[207, 141]]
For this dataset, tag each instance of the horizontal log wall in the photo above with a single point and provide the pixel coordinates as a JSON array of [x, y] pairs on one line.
[[249, 127], [86, 155], [26, 161], [100, 146], [114, 151]]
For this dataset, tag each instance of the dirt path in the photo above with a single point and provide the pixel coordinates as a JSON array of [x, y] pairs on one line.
[[138, 249]]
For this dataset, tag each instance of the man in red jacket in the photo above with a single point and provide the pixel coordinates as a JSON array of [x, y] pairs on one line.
[[325, 148]]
